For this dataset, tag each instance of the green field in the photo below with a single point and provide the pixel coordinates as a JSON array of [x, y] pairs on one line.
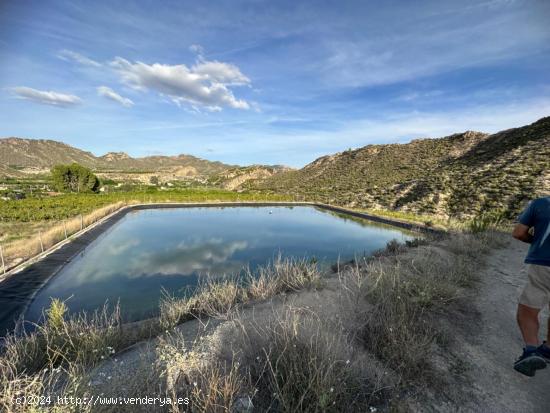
[[25, 218], [55, 208]]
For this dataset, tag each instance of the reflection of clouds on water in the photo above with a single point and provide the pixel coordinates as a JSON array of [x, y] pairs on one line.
[[123, 247], [211, 256], [151, 249]]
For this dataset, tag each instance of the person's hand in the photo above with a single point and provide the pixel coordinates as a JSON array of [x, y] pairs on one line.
[[522, 233]]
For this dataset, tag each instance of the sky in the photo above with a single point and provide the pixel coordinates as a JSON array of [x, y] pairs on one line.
[[268, 82]]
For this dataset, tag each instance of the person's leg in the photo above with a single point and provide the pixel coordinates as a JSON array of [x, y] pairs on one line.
[[528, 321], [533, 298], [532, 358]]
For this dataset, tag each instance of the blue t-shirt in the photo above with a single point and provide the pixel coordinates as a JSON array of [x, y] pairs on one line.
[[537, 214]]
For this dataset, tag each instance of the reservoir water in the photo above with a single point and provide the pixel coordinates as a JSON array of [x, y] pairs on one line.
[[148, 251]]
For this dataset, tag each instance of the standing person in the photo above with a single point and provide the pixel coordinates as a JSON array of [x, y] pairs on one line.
[[534, 228]]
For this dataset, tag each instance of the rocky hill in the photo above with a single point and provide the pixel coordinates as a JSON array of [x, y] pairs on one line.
[[247, 176], [19, 156], [458, 175]]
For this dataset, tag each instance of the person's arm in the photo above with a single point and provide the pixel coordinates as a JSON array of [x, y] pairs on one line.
[[521, 232], [525, 221]]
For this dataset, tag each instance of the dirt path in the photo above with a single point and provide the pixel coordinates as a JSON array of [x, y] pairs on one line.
[[497, 386]]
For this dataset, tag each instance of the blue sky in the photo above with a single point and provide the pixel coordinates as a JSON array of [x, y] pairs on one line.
[[273, 82]]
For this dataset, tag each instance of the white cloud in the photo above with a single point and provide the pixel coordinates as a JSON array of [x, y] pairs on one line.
[[69, 55], [413, 44], [225, 73], [197, 48], [413, 96], [46, 97], [109, 93], [204, 85]]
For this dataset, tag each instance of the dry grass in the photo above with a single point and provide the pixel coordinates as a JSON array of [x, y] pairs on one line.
[[283, 276], [24, 249], [212, 298], [288, 362], [297, 362], [210, 384], [16, 388], [52, 359], [398, 300], [63, 341], [217, 298]]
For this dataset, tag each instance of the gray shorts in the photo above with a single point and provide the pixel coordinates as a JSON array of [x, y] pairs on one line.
[[536, 293]]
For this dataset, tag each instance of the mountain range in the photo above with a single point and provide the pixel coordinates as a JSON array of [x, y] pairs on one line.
[[460, 175], [38, 155]]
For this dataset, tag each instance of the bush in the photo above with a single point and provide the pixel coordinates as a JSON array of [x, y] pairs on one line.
[[486, 221], [299, 363]]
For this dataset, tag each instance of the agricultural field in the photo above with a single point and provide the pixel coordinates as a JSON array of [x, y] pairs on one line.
[[59, 207], [38, 221]]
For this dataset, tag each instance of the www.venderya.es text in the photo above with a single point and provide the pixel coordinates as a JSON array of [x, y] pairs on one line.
[[95, 400]]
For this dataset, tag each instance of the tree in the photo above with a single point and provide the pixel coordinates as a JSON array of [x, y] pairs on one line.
[[154, 180], [74, 178]]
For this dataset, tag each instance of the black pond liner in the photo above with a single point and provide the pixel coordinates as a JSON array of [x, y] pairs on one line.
[[18, 289]]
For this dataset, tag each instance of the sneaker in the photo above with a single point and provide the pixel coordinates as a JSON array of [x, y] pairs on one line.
[[529, 362], [544, 351]]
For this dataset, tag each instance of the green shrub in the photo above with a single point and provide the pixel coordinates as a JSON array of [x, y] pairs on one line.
[[486, 221], [74, 178]]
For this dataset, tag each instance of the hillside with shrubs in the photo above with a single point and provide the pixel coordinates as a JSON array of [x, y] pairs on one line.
[[455, 176]]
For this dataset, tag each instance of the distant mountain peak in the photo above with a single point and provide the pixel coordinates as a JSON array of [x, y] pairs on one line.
[[115, 156]]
